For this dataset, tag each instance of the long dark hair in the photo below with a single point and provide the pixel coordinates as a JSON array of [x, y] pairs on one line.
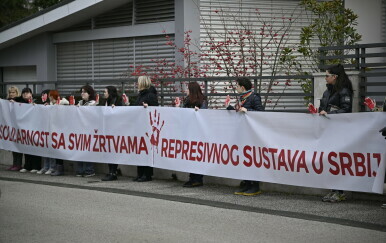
[[113, 94], [342, 81], [90, 91], [196, 98]]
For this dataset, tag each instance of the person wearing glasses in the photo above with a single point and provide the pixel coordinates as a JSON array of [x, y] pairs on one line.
[[336, 99]]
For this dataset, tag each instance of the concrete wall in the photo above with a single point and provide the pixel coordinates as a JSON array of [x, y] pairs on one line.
[[187, 17], [370, 20], [37, 51]]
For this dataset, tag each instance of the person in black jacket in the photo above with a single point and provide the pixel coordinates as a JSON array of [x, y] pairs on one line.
[[338, 96], [32, 162], [249, 101], [147, 97], [336, 99], [112, 99], [195, 99]]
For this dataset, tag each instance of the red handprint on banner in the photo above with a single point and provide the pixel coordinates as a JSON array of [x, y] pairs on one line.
[[156, 128]]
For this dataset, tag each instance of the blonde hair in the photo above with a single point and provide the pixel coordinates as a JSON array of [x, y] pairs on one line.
[[144, 82], [13, 88]]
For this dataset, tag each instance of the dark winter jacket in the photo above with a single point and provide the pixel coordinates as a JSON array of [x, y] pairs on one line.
[[253, 103], [148, 96], [21, 100], [117, 101], [188, 104], [337, 102]]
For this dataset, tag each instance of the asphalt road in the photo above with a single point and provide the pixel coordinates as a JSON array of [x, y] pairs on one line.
[[32, 212]]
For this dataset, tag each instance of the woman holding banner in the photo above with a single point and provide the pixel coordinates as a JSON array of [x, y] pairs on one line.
[[195, 99], [112, 99], [147, 97], [14, 92], [336, 99], [86, 169], [54, 99], [49, 164], [32, 162]]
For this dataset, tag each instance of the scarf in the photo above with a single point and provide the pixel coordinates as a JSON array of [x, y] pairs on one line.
[[244, 96]]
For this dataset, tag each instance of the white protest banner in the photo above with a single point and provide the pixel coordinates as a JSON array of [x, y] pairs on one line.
[[343, 151], [86, 133]]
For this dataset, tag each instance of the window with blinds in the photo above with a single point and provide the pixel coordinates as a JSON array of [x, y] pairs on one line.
[[74, 61], [144, 11], [117, 17], [223, 20], [152, 11], [110, 59]]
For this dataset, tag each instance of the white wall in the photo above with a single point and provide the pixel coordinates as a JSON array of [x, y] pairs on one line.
[[370, 22], [37, 51]]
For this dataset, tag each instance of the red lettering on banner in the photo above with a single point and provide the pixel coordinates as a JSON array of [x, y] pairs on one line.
[[185, 149], [142, 146], [281, 160], [302, 162], [54, 141], [248, 162], [359, 161], [333, 163], [273, 151], [340, 163], [320, 169], [345, 163], [178, 147], [200, 152], [378, 158], [260, 163], [233, 149], [123, 146], [171, 145], [192, 151], [225, 160], [264, 152], [356, 164], [164, 148]]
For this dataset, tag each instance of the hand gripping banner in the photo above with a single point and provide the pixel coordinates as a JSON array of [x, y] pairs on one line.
[[343, 151]]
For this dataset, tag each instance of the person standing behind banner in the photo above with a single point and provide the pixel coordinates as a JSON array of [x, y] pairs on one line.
[[336, 99], [112, 99], [54, 99], [147, 97], [49, 164], [32, 162], [14, 92], [86, 169], [195, 99], [249, 101]]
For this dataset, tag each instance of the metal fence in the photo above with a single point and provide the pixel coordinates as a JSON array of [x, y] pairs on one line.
[[280, 97], [368, 59]]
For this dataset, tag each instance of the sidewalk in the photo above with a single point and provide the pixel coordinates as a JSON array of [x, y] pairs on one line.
[[360, 212]]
